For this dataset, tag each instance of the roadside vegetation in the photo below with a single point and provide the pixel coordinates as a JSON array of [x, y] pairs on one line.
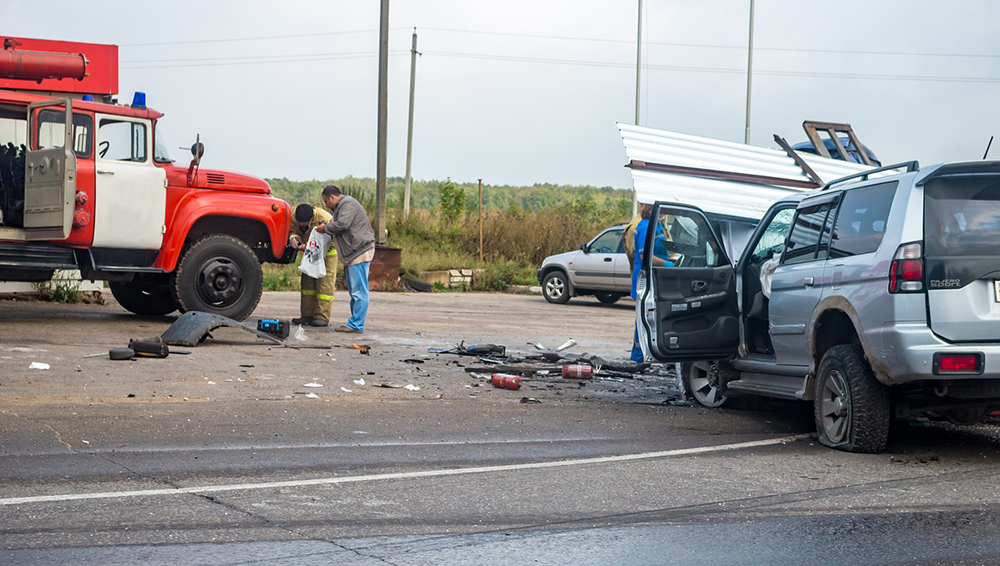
[[521, 225]]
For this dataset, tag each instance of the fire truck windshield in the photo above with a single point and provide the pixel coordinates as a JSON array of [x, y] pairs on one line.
[[160, 153]]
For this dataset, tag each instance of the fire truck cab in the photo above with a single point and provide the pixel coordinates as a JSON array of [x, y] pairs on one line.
[[89, 184]]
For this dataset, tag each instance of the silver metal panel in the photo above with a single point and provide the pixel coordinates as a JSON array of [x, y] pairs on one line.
[[716, 196]]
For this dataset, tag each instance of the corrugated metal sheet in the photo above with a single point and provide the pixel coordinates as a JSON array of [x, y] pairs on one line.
[[728, 198]]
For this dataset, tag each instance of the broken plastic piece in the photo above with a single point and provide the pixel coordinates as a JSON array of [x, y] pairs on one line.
[[359, 381], [312, 396], [346, 390], [149, 348], [529, 400], [38, 365], [411, 387], [313, 385], [193, 327]]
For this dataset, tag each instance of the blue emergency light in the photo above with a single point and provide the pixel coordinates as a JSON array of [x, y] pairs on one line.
[[139, 100], [88, 98]]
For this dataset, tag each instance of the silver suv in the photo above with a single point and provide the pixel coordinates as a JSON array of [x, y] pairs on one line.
[[880, 298], [600, 268]]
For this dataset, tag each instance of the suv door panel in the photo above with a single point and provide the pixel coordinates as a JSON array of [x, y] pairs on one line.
[[797, 287], [689, 311]]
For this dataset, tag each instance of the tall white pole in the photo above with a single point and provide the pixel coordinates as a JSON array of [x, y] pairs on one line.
[[746, 136], [638, 82], [409, 126]]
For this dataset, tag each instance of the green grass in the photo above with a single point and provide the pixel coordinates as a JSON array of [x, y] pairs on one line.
[[514, 243]]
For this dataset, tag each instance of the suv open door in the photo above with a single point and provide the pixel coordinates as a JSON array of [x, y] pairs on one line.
[[50, 175], [687, 292]]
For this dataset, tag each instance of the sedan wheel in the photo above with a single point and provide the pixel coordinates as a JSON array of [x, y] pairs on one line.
[[555, 287]]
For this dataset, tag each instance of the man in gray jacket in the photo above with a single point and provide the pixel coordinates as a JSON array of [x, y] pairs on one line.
[[355, 240]]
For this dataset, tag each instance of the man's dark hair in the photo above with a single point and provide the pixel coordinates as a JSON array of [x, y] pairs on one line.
[[331, 191], [304, 212]]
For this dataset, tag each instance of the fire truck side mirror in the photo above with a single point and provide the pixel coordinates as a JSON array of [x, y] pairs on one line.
[[198, 150]]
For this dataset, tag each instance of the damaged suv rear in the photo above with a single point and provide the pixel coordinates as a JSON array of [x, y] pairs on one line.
[[884, 302]]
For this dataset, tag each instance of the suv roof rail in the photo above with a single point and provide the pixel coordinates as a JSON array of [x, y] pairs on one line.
[[863, 176]]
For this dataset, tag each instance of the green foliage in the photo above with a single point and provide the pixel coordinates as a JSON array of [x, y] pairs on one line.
[[60, 291], [452, 201], [521, 225], [281, 277], [424, 194]]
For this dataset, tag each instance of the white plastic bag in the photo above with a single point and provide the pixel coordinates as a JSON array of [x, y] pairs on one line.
[[313, 261]]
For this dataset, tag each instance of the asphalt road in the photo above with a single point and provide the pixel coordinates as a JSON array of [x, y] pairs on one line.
[[220, 457]]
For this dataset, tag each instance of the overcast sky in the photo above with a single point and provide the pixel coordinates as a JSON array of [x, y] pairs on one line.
[[526, 91]]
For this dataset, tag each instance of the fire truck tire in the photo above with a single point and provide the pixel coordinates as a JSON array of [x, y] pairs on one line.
[[143, 297], [221, 275]]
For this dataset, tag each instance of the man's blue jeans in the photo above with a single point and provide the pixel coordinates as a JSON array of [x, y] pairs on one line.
[[357, 286]]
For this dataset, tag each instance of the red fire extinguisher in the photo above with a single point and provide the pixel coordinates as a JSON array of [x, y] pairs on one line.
[[506, 381], [577, 371]]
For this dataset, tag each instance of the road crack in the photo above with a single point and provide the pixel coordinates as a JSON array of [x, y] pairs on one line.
[[56, 433]]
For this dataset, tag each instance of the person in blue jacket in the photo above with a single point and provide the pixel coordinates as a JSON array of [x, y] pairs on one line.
[[659, 258]]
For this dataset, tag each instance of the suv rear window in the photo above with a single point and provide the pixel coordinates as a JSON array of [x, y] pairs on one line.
[[862, 218], [962, 216]]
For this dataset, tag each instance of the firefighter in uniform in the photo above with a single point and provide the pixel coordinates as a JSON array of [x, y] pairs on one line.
[[317, 294]]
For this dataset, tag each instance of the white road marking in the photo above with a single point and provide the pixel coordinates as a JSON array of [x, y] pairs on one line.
[[400, 475]]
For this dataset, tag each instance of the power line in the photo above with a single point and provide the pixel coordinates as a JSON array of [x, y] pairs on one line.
[[248, 57], [577, 62], [714, 46], [291, 59], [254, 38]]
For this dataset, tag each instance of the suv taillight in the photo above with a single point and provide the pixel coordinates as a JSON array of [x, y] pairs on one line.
[[906, 275]]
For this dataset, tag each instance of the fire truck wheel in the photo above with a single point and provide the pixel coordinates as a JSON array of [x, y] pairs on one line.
[[144, 297], [221, 275]]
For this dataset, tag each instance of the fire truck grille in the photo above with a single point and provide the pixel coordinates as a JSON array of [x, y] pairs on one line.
[[216, 178]]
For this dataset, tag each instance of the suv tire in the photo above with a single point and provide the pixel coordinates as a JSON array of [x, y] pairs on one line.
[[555, 287], [608, 298], [852, 409], [144, 298], [221, 275], [702, 382]]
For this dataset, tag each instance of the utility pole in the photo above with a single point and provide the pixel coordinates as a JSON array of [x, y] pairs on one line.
[[383, 97], [409, 126], [746, 135], [638, 82], [481, 219]]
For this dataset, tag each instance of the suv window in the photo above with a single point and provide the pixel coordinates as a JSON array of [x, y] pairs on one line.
[[962, 216], [773, 237], [686, 239], [861, 222], [803, 242], [607, 243]]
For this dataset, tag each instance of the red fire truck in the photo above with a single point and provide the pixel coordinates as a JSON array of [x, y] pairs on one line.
[[87, 183]]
